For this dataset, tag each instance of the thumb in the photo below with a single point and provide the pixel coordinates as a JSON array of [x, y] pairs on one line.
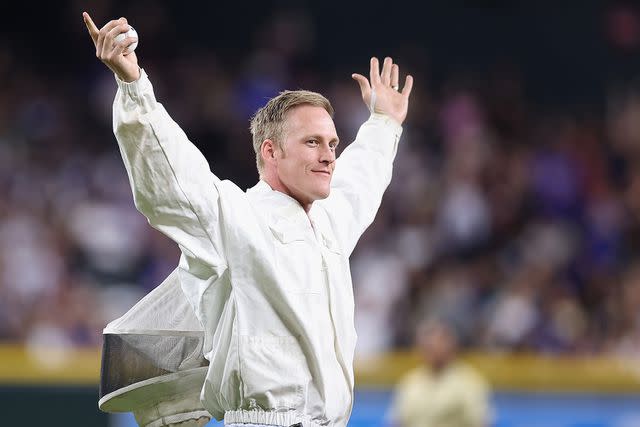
[[365, 88]]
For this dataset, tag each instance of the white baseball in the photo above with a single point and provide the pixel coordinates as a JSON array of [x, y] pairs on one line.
[[131, 33]]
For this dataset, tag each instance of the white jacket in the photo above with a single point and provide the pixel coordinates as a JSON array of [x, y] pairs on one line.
[[273, 292]]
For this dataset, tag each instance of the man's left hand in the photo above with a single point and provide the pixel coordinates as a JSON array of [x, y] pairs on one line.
[[381, 92]]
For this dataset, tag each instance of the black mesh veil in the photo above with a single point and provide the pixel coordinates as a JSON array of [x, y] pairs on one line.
[[131, 358], [152, 354]]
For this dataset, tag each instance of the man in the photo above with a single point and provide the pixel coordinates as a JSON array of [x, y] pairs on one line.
[[266, 272], [444, 392]]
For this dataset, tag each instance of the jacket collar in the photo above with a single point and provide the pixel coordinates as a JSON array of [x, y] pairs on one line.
[[277, 203], [288, 216]]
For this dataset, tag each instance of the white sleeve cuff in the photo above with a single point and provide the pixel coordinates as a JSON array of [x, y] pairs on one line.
[[381, 133], [139, 91]]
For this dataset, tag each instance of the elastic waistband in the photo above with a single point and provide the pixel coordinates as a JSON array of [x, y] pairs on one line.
[[274, 418]]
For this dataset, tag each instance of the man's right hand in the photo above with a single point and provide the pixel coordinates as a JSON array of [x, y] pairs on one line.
[[114, 54]]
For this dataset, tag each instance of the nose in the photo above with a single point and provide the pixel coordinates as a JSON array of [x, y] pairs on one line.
[[327, 155]]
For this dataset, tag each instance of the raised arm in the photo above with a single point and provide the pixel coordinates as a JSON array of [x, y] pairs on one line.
[[171, 181], [363, 170]]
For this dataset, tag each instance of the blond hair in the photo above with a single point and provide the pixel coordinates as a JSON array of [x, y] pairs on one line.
[[269, 121]]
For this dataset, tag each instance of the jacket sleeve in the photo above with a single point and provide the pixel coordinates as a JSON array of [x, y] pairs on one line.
[[362, 174], [171, 181]]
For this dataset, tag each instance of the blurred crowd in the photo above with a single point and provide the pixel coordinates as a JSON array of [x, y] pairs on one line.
[[519, 223]]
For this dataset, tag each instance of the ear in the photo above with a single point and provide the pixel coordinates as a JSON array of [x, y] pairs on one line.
[[268, 151]]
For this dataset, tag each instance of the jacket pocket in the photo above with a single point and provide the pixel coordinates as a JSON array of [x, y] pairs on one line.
[[274, 372], [298, 259]]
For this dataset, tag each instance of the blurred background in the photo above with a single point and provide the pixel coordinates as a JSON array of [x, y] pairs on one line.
[[514, 211]]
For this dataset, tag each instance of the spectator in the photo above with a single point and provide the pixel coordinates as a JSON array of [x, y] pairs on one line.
[[444, 391]]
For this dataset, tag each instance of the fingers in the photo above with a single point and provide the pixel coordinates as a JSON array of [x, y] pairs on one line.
[[380, 91], [102, 34], [107, 34], [408, 85], [122, 46], [395, 76], [386, 71], [112, 34], [91, 27], [390, 75], [374, 71]]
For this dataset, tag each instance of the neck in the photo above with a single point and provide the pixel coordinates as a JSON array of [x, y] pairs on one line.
[[277, 185], [438, 366]]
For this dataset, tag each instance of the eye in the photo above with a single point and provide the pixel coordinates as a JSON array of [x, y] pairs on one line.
[[333, 145], [312, 142]]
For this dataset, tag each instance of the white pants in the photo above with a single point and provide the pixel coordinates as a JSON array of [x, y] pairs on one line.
[[249, 425], [252, 425]]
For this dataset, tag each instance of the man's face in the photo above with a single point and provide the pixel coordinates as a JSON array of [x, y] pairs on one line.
[[305, 165]]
